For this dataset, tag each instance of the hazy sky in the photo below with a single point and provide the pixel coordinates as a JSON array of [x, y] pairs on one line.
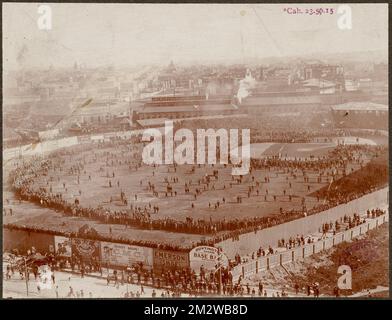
[[131, 34]]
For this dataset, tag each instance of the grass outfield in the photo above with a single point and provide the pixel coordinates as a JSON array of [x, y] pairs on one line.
[[98, 193], [309, 150], [299, 150]]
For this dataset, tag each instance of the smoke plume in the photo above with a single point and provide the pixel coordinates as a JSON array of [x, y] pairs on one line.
[[245, 85]]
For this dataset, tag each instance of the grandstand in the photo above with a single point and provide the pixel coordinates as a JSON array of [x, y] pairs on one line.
[[361, 115], [186, 106]]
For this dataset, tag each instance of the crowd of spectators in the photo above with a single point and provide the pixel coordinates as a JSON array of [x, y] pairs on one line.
[[23, 177]]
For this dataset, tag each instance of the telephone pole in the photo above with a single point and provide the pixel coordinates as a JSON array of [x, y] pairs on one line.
[[26, 276]]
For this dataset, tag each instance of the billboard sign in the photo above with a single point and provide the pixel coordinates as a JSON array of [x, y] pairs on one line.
[[118, 254], [166, 259], [208, 257], [63, 246], [86, 249]]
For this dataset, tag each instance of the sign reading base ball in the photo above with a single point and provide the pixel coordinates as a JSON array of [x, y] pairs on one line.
[[208, 257]]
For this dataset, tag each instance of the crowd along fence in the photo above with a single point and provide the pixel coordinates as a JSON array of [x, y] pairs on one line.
[[298, 253]]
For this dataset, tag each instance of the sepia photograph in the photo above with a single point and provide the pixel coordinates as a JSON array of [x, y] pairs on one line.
[[195, 150]]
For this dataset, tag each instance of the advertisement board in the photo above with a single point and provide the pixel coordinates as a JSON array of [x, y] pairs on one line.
[[85, 249], [118, 254], [166, 259], [63, 246], [208, 257]]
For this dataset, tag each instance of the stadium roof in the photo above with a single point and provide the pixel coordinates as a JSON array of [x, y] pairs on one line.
[[261, 101], [319, 83], [161, 121], [361, 106], [189, 108], [152, 122]]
